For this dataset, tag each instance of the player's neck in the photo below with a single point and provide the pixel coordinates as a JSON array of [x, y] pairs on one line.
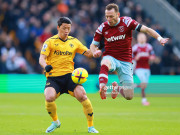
[[115, 23], [64, 38], [142, 44]]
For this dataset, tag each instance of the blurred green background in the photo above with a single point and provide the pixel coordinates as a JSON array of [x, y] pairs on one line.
[[34, 83]]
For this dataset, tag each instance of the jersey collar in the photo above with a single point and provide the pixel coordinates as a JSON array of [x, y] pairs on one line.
[[63, 40], [142, 45], [116, 23]]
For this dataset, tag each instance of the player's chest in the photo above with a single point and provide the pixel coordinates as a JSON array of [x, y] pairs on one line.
[[142, 50], [118, 32], [63, 48]]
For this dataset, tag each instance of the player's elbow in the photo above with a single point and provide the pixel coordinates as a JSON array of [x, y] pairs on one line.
[[40, 60]]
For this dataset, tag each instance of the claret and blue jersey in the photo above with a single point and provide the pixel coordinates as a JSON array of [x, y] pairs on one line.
[[117, 39]]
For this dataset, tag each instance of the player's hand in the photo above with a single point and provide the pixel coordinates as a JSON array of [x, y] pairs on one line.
[[163, 41], [97, 53], [48, 68]]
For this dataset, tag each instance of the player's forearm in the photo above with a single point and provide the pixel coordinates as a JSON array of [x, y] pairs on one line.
[[153, 33], [150, 32], [88, 53], [42, 62], [93, 48]]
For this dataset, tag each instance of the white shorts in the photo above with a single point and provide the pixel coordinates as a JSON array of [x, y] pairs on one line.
[[143, 74]]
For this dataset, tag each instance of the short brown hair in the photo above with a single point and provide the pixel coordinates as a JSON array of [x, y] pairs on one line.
[[111, 6]]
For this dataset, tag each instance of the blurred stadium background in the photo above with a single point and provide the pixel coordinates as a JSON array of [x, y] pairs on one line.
[[26, 24]]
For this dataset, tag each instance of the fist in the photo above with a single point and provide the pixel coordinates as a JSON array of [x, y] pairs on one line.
[[48, 68], [97, 53]]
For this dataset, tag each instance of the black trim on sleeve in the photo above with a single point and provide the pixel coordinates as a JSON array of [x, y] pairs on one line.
[[139, 27], [83, 53], [101, 45]]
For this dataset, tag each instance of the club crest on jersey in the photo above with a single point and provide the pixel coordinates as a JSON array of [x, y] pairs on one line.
[[71, 45], [121, 28]]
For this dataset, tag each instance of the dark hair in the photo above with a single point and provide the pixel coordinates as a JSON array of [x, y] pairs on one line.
[[112, 6], [64, 20]]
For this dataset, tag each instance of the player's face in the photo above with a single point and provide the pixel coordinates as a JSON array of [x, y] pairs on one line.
[[112, 16], [141, 38], [64, 30]]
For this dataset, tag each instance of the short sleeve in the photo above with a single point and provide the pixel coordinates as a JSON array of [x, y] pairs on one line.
[[151, 51], [46, 47], [134, 25], [134, 51], [81, 48], [98, 35], [131, 23], [134, 48]]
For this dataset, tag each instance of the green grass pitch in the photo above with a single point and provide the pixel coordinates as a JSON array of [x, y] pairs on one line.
[[25, 114]]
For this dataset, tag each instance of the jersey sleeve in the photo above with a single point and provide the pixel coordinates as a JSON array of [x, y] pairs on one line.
[[134, 51], [131, 23], [151, 51], [81, 48], [46, 47], [134, 25], [98, 35]]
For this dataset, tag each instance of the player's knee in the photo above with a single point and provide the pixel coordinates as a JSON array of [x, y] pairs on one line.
[[81, 97], [80, 94], [143, 85], [50, 98], [129, 94], [106, 62], [129, 97], [84, 97], [50, 95]]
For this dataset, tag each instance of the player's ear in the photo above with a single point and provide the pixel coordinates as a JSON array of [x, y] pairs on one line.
[[118, 14], [58, 28]]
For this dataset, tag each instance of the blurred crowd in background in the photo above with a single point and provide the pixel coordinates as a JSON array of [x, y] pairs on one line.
[[25, 25], [175, 4]]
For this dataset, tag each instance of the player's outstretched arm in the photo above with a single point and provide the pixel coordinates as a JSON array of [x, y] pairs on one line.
[[42, 62], [154, 34], [88, 53], [95, 51]]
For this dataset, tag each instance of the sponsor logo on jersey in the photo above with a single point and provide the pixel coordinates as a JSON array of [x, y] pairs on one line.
[[56, 44], [45, 46], [115, 38], [58, 52]]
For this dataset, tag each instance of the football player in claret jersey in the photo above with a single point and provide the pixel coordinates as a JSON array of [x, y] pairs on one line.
[[117, 35], [142, 53], [56, 58]]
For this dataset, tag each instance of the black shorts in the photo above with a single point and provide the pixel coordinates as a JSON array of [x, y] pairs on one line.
[[61, 84]]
